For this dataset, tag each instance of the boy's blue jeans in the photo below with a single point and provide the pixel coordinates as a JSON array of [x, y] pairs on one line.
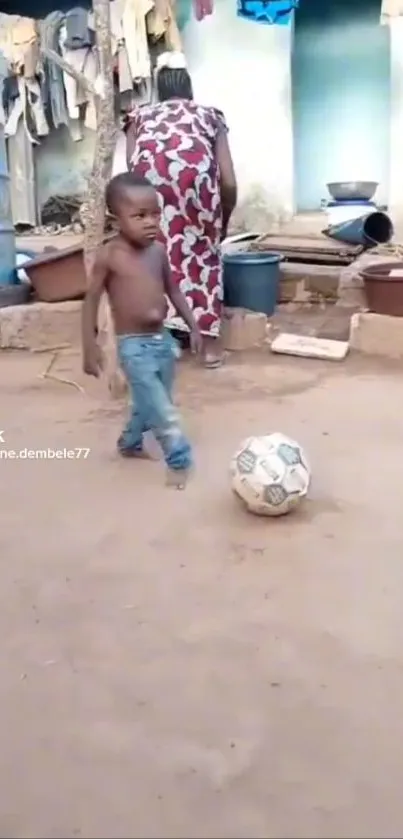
[[148, 362]]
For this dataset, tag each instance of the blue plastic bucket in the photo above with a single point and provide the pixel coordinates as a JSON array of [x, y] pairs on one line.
[[369, 230], [251, 280]]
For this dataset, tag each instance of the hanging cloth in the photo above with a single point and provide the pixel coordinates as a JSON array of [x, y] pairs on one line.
[[49, 33], [271, 12], [390, 10], [161, 21], [135, 35], [202, 8]]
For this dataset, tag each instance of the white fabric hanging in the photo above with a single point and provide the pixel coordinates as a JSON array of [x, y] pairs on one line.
[[391, 9]]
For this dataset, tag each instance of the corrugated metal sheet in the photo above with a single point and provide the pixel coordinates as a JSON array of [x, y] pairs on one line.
[[391, 9]]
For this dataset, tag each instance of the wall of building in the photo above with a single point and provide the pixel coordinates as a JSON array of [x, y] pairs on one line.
[[244, 68], [396, 128], [341, 97], [62, 166]]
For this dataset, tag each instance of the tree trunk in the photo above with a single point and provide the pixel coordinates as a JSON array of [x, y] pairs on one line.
[[93, 211]]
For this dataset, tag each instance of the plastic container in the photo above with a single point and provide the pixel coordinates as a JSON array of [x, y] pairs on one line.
[[383, 283], [21, 258], [58, 276], [372, 229], [8, 274], [251, 280]]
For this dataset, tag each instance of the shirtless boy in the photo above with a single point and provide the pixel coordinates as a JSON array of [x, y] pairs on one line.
[[133, 269]]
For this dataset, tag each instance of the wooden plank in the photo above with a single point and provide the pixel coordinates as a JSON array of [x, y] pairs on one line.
[[314, 258], [315, 244], [312, 242]]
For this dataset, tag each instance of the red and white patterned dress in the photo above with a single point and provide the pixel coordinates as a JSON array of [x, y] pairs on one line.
[[175, 150]]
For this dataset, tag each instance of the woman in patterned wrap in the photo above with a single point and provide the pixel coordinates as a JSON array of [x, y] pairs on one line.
[[182, 148]]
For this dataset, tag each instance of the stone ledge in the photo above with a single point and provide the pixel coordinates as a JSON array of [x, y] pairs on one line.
[[379, 335], [243, 329], [40, 325]]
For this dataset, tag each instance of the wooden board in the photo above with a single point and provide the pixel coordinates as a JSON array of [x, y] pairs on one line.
[[309, 347], [314, 243], [309, 249]]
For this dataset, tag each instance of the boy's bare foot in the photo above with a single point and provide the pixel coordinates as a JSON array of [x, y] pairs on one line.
[[177, 478]]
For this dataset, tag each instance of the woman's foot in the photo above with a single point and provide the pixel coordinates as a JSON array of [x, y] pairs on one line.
[[213, 353]]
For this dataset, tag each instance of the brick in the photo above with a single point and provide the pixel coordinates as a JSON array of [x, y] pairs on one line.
[[379, 335], [243, 329], [307, 346]]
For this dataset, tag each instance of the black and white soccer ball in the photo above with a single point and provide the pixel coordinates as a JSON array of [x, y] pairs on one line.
[[270, 474]]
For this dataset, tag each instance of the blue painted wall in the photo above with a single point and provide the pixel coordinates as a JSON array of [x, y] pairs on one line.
[[341, 97]]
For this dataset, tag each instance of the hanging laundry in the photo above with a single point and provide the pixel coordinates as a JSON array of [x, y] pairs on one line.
[[29, 106], [116, 12], [10, 92], [135, 35], [83, 61], [278, 12], [6, 22], [19, 43], [124, 71], [161, 22], [25, 46], [202, 8], [35, 108], [3, 77], [22, 177], [390, 10], [78, 33], [49, 33]]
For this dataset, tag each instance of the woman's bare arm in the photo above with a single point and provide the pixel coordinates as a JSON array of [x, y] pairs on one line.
[[228, 183]]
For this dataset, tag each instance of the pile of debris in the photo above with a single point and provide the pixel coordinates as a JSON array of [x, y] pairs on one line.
[[61, 214]]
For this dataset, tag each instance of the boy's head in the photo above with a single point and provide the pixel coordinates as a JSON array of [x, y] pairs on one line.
[[133, 201]]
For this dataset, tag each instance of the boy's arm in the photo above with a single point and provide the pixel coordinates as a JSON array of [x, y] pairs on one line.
[[176, 297], [91, 302]]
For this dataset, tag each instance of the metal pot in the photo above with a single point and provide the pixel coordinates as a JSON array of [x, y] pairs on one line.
[[352, 190]]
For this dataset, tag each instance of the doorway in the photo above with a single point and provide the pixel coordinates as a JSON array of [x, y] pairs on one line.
[[341, 97]]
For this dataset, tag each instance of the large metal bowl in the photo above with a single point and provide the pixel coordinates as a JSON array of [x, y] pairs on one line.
[[353, 190]]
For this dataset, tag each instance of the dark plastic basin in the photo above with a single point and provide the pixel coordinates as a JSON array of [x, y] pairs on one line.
[[251, 280]]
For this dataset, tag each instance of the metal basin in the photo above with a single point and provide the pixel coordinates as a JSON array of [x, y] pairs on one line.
[[353, 190]]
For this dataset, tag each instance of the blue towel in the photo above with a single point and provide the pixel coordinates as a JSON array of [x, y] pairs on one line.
[[278, 12]]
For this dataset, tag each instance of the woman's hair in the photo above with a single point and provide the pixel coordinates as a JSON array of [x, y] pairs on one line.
[[173, 84]]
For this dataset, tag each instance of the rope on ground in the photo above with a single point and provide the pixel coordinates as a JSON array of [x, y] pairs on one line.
[[394, 251], [47, 373]]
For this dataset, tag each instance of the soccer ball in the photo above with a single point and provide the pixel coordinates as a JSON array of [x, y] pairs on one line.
[[270, 474]]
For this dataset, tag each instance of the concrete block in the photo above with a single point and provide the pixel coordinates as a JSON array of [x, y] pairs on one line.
[[243, 329], [307, 346], [40, 325], [377, 335]]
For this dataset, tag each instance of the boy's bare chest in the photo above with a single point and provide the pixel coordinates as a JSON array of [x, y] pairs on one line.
[[138, 266]]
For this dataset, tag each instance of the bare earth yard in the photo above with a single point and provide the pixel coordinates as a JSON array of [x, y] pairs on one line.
[[174, 667]]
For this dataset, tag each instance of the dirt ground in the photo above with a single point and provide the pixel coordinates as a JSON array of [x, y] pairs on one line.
[[175, 667]]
